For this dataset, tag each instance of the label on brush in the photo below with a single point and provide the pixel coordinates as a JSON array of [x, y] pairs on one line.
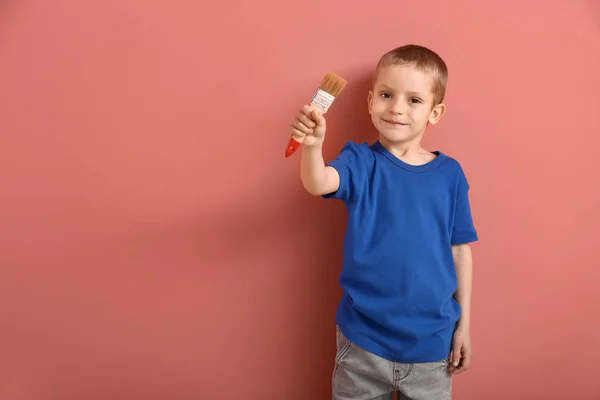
[[323, 99]]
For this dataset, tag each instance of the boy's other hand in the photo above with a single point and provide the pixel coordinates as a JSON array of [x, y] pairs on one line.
[[460, 358], [310, 125]]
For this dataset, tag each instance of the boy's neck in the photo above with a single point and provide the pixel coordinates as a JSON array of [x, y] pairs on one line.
[[409, 152]]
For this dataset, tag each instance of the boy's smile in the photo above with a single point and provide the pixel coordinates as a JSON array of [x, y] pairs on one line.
[[395, 122]]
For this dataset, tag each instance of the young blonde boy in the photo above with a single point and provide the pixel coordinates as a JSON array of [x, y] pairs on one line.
[[403, 321]]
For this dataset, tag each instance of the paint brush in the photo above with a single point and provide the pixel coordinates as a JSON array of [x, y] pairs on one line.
[[330, 88]]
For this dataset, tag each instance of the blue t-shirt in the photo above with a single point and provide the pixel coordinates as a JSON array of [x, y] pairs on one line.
[[398, 273]]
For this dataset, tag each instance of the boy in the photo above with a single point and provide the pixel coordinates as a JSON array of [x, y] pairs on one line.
[[403, 322]]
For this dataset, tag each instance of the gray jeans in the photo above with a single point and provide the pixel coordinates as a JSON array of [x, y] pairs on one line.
[[361, 375]]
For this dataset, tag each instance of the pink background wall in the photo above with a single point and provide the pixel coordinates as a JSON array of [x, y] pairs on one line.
[[149, 219]]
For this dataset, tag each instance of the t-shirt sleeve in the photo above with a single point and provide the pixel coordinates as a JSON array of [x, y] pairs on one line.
[[350, 165], [463, 230]]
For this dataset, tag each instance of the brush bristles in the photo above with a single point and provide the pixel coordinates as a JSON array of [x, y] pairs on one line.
[[333, 84]]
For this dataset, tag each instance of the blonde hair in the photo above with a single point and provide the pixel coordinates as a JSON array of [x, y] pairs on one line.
[[423, 59]]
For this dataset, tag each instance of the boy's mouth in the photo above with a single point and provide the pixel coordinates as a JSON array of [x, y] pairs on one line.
[[394, 122]]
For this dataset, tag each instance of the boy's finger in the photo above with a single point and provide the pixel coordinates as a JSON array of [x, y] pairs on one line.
[[318, 118], [297, 132], [455, 357], [307, 121], [451, 366], [465, 361], [462, 368], [306, 110], [301, 127]]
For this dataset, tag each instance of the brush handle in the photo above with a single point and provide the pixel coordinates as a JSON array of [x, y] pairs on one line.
[[292, 146]]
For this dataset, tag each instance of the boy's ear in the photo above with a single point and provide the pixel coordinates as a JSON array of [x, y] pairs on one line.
[[370, 100], [436, 113]]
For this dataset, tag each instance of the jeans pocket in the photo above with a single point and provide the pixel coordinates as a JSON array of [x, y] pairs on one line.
[[343, 347]]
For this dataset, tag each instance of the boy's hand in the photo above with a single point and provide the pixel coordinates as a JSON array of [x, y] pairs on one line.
[[461, 351], [310, 125]]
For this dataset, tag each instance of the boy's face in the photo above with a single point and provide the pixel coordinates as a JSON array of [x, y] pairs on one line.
[[401, 103]]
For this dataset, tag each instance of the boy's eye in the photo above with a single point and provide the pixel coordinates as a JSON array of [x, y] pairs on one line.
[[386, 95], [415, 100]]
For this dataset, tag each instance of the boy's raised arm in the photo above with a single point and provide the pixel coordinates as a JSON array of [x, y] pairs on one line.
[[317, 178]]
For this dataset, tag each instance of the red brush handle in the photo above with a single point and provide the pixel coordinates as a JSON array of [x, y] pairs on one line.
[[292, 146]]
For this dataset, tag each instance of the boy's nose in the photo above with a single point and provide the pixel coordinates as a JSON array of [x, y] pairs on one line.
[[397, 107]]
